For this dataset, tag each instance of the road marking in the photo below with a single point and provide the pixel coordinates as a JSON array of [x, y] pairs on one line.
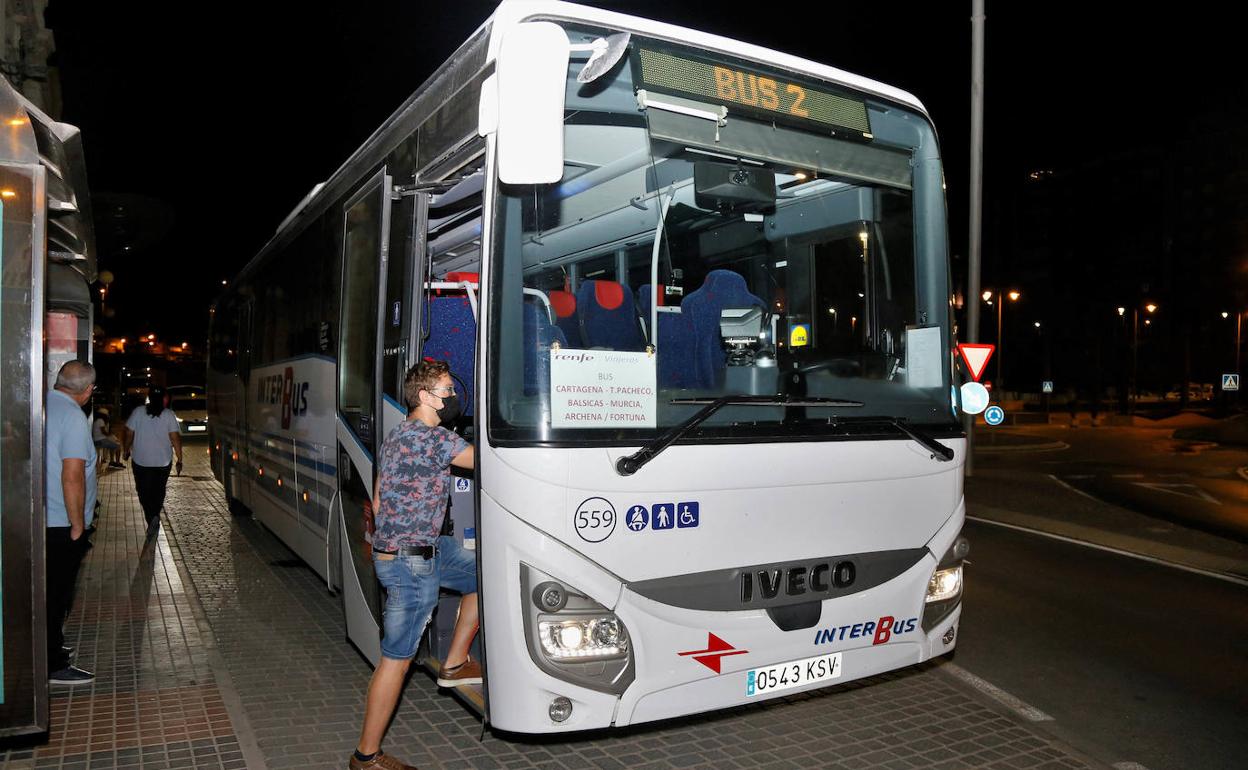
[[1129, 766], [1173, 489], [1017, 705], [1239, 581], [1076, 491], [1243, 472]]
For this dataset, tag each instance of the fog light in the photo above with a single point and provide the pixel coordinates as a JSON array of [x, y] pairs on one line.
[[560, 709], [945, 584], [948, 637], [550, 597]]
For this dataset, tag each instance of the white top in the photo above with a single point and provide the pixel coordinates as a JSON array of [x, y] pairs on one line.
[[152, 447]]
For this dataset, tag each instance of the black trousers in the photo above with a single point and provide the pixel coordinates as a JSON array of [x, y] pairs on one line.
[[64, 557], [150, 483]]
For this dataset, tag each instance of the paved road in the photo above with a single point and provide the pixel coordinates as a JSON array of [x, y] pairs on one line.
[[1194, 484], [1135, 662]]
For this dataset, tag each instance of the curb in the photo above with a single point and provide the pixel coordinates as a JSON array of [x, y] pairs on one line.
[[1048, 446]]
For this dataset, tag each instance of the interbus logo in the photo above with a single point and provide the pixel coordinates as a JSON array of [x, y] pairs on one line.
[[282, 388], [880, 630]]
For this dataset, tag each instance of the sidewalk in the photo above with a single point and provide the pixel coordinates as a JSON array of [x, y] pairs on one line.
[[216, 648], [155, 702]]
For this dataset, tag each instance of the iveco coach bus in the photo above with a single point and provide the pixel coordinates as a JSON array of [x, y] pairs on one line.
[[696, 298]]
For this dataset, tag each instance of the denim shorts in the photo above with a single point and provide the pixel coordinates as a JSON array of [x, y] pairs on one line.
[[412, 584]]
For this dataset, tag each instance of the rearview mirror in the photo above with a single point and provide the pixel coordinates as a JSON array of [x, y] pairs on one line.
[[532, 71]]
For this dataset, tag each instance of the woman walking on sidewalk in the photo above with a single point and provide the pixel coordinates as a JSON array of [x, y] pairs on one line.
[[152, 433]]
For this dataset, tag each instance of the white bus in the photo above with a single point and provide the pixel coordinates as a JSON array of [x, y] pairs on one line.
[[697, 297]]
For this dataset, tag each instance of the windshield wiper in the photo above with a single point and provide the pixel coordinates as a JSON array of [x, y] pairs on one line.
[[939, 451], [627, 466]]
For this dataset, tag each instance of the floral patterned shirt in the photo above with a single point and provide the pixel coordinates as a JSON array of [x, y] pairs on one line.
[[415, 484]]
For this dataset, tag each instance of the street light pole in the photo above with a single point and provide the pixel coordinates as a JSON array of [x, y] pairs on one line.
[[1135, 347], [1000, 342], [1135, 358]]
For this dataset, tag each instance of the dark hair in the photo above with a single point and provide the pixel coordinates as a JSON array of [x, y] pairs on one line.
[[422, 376], [155, 401]]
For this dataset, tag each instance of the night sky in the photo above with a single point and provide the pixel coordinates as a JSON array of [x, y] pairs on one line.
[[208, 123]]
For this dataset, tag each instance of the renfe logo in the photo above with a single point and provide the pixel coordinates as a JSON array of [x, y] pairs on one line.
[[716, 648], [282, 388], [880, 630]]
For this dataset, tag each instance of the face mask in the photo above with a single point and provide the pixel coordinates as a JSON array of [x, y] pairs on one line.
[[449, 410]]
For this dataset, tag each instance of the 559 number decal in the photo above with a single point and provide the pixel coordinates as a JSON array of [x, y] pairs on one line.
[[594, 520]]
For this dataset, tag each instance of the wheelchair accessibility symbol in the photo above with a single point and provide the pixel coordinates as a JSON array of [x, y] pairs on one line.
[[687, 515]]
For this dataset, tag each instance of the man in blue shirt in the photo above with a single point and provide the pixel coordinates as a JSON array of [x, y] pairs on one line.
[[69, 489]]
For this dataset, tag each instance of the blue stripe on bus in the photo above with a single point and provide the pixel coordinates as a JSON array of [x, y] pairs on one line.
[[305, 357], [264, 448]]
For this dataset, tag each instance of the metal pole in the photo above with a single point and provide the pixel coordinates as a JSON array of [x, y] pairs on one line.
[[976, 192], [1239, 318], [1000, 344], [1135, 358]]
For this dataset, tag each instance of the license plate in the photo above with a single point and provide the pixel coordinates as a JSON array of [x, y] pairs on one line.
[[196, 428], [783, 676]]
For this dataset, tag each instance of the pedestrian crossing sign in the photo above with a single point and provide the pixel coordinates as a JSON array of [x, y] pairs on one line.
[[1230, 382]]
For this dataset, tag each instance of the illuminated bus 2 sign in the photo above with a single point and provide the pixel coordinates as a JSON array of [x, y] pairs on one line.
[[740, 86]]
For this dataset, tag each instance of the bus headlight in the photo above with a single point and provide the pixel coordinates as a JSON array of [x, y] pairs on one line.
[[944, 588], [572, 637], [945, 584], [582, 638]]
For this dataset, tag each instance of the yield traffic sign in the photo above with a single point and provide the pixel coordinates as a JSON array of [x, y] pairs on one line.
[[976, 357]]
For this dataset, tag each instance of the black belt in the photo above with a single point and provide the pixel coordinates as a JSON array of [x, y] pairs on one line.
[[423, 551]]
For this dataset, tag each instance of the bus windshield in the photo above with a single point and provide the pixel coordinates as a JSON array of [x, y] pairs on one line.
[[722, 228]]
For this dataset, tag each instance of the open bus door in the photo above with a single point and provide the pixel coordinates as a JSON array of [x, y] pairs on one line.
[[365, 247], [447, 253]]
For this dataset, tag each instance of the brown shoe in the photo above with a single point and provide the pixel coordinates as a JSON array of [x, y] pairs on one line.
[[468, 672], [382, 761]]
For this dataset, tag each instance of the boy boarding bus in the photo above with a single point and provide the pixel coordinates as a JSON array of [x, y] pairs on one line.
[[695, 297]]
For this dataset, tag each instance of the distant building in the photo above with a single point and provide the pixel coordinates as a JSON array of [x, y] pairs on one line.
[[27, 49]]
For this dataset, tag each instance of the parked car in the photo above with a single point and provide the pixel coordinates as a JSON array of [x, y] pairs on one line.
[[190, 405]]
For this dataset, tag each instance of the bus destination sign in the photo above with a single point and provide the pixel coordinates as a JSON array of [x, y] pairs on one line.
[[765, 93]]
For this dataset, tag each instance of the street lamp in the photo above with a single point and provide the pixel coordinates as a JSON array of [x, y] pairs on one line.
[[1014, 297], [1239, 319], [1135, 348]]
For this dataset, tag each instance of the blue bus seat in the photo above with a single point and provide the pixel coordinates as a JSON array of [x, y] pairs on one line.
[[608, 316], [539, 335], [564, 305], [721, 289], [675, 343], [453, 338]]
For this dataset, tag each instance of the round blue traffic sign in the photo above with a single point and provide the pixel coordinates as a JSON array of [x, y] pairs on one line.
[[994, 415]]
